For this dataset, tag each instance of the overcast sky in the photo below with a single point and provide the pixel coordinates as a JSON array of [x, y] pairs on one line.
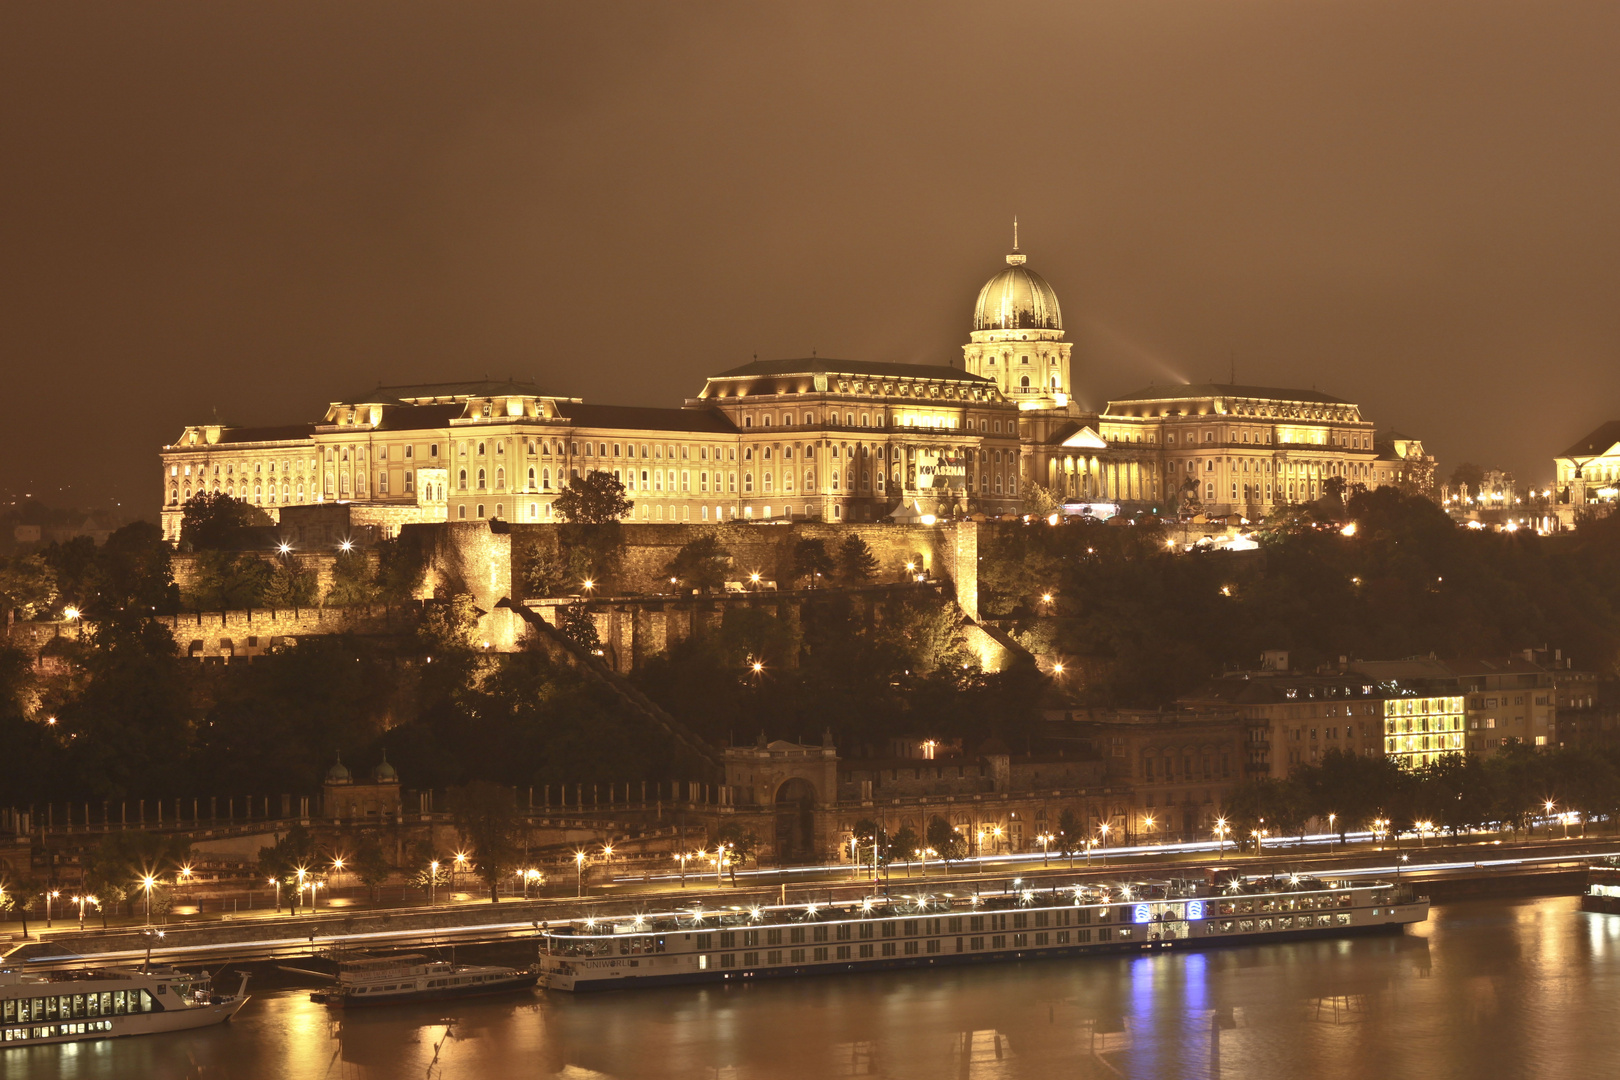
[[255, 209]]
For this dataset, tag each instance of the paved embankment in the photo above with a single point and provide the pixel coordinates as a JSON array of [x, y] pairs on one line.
[[1449, 873]]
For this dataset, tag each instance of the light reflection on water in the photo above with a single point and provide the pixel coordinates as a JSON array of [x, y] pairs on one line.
[[1488, 988]]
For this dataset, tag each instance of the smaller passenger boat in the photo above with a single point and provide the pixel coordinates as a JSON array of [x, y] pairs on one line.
[[1602, 894], [72, 1006], [389, 980]]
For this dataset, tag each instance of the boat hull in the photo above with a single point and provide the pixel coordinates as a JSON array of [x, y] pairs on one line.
[[350, 1001], [141, 1024]]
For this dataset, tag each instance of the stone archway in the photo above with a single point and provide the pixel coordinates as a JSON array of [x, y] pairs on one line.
[[795, 820]]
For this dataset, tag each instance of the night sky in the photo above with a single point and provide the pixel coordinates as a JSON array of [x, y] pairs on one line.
[[255, 209]]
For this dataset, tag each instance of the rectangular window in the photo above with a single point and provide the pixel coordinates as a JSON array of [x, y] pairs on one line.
[[750, 959], [866, 950], [728, 960], [976, 943], [775, 956], [843, 952], [888, 948], [819, 954]]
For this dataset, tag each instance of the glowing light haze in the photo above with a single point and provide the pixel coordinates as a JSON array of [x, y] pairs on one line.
[[258, 208]]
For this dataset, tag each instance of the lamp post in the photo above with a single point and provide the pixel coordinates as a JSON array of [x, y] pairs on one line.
[[1103, 830], [82, 901], [1045, 840], [1147, 823], [1548, 807], [52, 894], [607, 861], [433, 879], [579, 867], [302, 874], [146, 885], [1222, 830], [1331, 819], [276, 883]]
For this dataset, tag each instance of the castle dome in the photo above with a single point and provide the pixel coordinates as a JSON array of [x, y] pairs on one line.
[[1017, 299], [338, 773], [384, 773]]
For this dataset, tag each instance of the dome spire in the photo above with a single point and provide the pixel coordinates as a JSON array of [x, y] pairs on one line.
[[1016, 258]]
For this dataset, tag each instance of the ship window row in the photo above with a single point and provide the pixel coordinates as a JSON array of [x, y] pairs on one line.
[[73, 1006], [52, 1031]]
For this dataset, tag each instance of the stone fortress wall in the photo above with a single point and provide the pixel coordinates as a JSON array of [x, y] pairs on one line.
[[477, 557]]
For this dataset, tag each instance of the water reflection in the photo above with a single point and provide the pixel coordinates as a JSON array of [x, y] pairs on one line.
[[1496, 988]]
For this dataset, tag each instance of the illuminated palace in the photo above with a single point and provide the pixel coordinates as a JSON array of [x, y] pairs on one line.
[[832, 440]]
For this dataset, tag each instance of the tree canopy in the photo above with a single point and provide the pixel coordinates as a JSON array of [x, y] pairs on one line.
[[596, 498]]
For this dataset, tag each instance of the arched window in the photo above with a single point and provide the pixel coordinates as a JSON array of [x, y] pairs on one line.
[[462, 480], [500, 479], [483, 482], [480, 509], [461, 512], [500, 447], [531, 478], [748, 483], [1024, 381], [533, 510], [500, 511]]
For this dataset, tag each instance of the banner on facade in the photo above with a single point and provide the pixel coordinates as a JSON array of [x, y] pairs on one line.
[[936, 471]]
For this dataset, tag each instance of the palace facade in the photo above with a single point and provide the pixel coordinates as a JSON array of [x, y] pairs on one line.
[[817, 438]]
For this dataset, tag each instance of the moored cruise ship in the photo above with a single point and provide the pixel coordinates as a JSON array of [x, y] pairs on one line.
[[877, 932], [70, 1006]]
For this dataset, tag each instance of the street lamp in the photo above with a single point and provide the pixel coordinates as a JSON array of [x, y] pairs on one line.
[[275, 881], [81, 901], [53, 894], [1147, 823], [1222, 831], [1045, 840], [1103, 830], [607, 860], [461, 867], [146, 884], [302, 873], [1331, 819], [433, 879], [579, 866]]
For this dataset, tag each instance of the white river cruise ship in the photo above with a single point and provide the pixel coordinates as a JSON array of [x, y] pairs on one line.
[[923, 930], [70, 1006]]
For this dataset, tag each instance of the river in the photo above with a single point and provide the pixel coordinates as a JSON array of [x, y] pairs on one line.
[[1494, 989]]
